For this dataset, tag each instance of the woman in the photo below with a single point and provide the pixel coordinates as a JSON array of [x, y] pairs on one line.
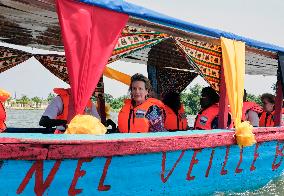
[[141, 114], [175, 114], [267, 116]]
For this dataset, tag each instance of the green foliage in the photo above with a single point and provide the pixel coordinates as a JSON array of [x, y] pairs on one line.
[[37, 101], [191, 99], [254, 98], [117, 103], [108, 98], [50, 97], [24, 100]]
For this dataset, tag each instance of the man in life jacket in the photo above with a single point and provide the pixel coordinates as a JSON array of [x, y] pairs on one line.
[[4, 95], [207, 118], [61, 110], [251, 111], [175, 117], [141, 114], [267, 116]]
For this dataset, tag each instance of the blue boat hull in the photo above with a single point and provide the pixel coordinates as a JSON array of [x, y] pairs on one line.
[[183, 172]]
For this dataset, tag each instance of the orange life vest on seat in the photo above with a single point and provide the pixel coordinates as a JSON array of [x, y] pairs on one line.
[[267, 119], [204, 118], [133, 119], [174, 122], [2, 117], [65, 96], [250, 106]]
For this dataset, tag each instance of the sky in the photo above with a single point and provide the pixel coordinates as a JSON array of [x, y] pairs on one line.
[[258, 19]]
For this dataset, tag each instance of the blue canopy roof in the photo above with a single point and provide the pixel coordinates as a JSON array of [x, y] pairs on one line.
[[152, 16]]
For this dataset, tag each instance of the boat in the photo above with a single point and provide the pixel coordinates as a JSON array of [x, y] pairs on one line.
[[193, 162]]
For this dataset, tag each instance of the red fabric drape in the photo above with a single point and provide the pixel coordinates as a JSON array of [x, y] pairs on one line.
[[89, 35]]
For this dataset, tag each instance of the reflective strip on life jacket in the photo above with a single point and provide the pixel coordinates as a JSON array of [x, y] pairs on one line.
[[205, 118], [133, 119]]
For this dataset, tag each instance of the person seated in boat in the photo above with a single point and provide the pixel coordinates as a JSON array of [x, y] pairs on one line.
[[141, 114], [61, 110], [251, 111], [207, 117], [267, 116], [4, 95], [174, 112]]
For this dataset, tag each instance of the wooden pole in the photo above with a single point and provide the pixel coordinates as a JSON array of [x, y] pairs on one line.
[[223, 103], [279, 90], [278, 104]]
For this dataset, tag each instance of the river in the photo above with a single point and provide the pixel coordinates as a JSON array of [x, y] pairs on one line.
[[30, 119]]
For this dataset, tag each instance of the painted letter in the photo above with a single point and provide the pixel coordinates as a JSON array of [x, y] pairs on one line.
[[279, 152], [238, 169], [101, 186], [210, 163], [224, 171], [78, 174], [255, 156], [164, 180], [40, 186], [192, 162]]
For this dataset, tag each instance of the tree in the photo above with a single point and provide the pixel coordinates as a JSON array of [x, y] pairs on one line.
[[37, 101], [117, 103], [50, 97], [191, 100], [24, 100], [108, 98], [254, 98]]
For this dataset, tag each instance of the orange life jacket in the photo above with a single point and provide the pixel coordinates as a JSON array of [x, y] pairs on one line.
[[133, 119], [174, 122], [267, 119], [2, 117], [250, 106], [65, 96], [204, 119]]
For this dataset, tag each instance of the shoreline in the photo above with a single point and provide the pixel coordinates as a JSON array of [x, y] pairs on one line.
[[20, 108]]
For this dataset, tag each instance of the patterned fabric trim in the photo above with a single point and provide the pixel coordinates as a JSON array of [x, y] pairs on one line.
[[206, 57], [133, 40], [56, 64], [11, 57]]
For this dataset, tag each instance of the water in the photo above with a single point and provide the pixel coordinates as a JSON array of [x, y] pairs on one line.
[[23, 118], [30, 119]]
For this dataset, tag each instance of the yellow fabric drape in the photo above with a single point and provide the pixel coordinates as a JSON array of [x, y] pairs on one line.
[[233, 54], [116, 75]]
